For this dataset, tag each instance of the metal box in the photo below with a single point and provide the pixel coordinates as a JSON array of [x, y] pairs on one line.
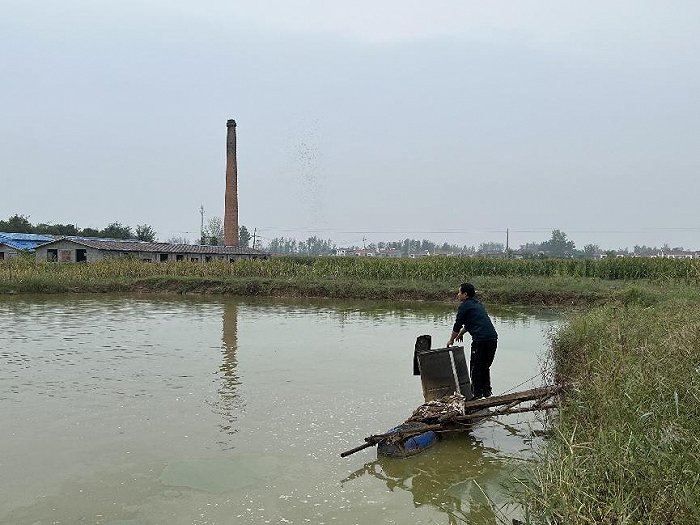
[[444, 371]]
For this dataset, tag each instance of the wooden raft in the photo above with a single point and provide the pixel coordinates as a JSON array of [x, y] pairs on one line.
[[452, 413]]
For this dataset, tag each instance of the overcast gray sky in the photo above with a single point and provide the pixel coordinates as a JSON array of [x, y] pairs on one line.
[[446, 120]]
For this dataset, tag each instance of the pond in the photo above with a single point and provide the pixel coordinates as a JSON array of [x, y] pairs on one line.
[[148, 410]]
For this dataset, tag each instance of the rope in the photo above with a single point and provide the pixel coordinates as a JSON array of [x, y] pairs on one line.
[[521, 384]]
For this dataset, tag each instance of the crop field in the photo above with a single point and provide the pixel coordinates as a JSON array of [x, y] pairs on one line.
[[435, 269]]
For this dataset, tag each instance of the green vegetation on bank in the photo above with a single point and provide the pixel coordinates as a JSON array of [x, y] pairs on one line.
[[625, 445], [553, 282]]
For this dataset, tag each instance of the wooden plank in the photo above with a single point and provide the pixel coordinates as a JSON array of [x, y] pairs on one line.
[[495, 413], [525, 395], [512, 404]]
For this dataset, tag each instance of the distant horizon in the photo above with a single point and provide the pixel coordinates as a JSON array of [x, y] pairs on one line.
[[304, 236]]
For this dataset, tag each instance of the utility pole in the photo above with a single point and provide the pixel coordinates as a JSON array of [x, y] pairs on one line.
[[507, 238], [255, 230], [201, 228]]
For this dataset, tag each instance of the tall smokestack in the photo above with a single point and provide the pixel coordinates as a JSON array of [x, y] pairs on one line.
[[231, 199]]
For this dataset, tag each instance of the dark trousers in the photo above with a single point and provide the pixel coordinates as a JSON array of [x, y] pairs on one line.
[[480, 364]]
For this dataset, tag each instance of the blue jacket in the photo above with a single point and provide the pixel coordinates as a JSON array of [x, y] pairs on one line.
[[473, 316]]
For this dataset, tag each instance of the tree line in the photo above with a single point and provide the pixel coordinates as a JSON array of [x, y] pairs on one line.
[[115, 230], [213, 234], [557, 246]]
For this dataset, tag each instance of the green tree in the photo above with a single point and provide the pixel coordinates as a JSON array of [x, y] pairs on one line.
[[558, 245], [57, 229], [178, 240], [213, 233], [646, 251], [145, 233], [283, 246], [427, 246], [490, 248], [89, 232], [17, 224], [117, 231], [315, 246], [530, 249], [590, 250], [244, 237]]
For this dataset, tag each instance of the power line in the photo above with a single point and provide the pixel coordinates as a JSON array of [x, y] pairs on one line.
[[484, 230]]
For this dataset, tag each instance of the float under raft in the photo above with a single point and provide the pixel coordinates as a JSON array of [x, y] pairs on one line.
[[395, 445]]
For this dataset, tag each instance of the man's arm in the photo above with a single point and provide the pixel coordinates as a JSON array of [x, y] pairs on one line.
[[456, 336], [459, 327]]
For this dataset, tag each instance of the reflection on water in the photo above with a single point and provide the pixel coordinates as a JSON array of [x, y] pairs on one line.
[[446, 480], [229, 404], [462, 479], [218, 410]]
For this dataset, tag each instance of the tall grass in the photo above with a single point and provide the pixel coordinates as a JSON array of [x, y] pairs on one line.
[[625, 447]]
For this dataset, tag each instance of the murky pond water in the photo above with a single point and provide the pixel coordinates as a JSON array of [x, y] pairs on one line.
[[142, 411]]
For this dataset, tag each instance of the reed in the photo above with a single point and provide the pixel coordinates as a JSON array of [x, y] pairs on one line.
[[624, 447]]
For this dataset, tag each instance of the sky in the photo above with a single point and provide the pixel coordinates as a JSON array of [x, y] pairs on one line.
[[361, 121]]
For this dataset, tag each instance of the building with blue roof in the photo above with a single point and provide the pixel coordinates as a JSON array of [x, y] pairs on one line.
[[90, 249], [12, 244], [59, 248]]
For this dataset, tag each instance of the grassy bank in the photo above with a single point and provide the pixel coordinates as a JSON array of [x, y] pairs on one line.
[[625, 446], [501, 281]]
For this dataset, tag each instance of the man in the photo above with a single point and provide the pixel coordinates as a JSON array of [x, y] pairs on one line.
[[472, 318]]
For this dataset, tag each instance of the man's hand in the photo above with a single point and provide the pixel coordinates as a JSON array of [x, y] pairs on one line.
[[455, 335], [460, 337]]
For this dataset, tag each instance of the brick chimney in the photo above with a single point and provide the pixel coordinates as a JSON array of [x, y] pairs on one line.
[[231, 198]]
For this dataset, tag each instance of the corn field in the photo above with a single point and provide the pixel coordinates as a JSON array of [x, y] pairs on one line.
[[427, 269]]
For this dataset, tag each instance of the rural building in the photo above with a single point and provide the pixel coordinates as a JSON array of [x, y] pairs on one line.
[[12, 244], [419, 253], [389, 253], [90, 249], [678, 254], [7, 251]]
